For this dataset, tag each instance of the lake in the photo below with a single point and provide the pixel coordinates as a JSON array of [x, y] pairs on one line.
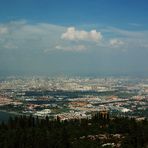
[[4, 116]]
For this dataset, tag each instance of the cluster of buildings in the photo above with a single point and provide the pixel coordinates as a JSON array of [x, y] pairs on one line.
[[68, 98], [72, 115]]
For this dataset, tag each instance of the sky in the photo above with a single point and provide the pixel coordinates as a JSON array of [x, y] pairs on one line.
[[74, 37]]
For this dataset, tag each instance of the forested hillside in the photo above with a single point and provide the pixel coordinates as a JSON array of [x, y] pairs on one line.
[[30, 132]]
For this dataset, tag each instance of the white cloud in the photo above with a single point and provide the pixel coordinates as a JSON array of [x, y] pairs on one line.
[[10, 46], [126, 33], [132, 40], [22, 35], [71, 48], [116, 42], [82, 35], [135, 24], [3, 30]]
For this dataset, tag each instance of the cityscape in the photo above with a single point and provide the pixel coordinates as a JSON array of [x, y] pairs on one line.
[[73, 74], [74, 98]]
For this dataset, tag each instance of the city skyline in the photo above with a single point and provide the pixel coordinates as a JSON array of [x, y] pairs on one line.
[[84, 37]]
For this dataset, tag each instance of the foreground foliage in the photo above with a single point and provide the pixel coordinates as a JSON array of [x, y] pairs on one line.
[[30, 132]]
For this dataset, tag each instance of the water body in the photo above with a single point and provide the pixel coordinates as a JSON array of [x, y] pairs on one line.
[[4, 116]]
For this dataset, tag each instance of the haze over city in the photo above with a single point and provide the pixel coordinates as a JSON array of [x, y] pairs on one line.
[[74, 37]]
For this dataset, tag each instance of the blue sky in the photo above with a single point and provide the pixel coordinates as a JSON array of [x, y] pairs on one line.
[[80, 37], [76, 12]]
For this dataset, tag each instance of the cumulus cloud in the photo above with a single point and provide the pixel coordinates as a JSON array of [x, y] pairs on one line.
[[38, 37], [116, 42], [82, 35], [21, 35]]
